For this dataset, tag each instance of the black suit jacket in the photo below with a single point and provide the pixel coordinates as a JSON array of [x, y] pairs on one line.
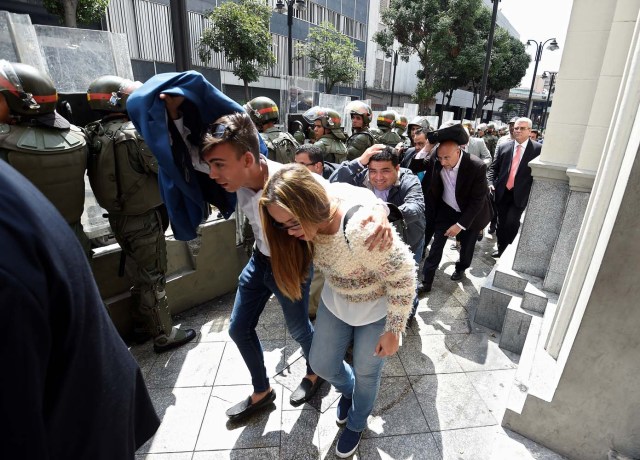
[[499, 172], [472, 191]]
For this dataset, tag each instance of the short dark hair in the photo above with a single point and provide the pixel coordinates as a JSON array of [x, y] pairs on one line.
[[314, 152], [236, 129], [387, 154]]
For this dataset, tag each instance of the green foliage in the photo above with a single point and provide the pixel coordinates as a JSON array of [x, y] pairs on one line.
[[449, 37], [240, 31], [509, 63], [72, 12], [332, 56]]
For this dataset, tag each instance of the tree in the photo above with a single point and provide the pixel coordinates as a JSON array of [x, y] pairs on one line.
[[241, 32], [72, 12], [438, 31], [450, 39], [332, 56], [509, 63]]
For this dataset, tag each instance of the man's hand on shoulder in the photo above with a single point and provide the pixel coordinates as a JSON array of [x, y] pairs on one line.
[[381, 237]]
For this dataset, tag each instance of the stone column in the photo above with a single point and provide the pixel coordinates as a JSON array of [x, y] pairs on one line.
[[564, 172]]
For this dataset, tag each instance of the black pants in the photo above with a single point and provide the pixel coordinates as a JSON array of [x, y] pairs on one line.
[[445, 218], [508, 220]]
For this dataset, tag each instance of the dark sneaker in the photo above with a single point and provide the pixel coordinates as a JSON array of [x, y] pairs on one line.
[[348, 443], [178, 337], [343, 410]]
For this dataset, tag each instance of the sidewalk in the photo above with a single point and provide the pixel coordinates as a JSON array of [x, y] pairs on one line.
[[441, 397]]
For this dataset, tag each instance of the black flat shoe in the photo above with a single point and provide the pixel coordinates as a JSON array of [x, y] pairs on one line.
[[305, 391], [457, 276], [244, 408]]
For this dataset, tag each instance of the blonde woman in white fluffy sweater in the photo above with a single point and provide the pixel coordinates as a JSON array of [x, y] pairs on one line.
[[367, 296]]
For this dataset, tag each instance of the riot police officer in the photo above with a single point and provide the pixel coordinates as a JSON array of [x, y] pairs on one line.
[[124, 177], [281, 145], [400, 127], [328, 133], [361, 139], [43, 146], [298, 134], [384, 134]]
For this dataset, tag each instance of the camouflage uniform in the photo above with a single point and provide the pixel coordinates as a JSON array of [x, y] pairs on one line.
[[281, 145], [43, 146], [124, 177], [357, 143], [333, 149]]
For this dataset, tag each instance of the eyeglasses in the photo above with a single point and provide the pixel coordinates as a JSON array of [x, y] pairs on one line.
[[281, 226], [221, 131], [518, 128], [226, 134]]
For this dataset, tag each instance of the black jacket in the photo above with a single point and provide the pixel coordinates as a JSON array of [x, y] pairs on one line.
[[501, 165]]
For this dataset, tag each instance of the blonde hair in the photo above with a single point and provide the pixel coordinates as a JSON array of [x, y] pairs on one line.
[[294, 189]]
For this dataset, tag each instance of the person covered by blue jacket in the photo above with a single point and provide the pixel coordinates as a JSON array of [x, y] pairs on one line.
[[172, 111]]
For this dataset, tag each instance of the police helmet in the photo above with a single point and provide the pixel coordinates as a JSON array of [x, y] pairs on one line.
[[401, 122], [329, 118], [362, 109], [27, 91], [110, 93], [420, 122], [262, 110], [386, 118]]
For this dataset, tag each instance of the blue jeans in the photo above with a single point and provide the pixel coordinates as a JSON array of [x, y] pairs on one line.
[[359, 382], [417, 257], [255, 286]]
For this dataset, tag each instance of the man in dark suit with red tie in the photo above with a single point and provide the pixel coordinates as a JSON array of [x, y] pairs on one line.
[[458, 192], [510, 178]]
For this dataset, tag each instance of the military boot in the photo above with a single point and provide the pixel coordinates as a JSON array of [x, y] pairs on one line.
[[175, 337]]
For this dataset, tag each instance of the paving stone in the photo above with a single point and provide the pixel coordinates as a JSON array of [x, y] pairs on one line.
[[144, 356], [393, 367], [493, 387], [396, 410], [291, 376], [299, 438], [490, 443], [427, 354], [169, 456], [181, 411], [414, 447], [192, 365], [260, 430], [233, 371], [328, 431], [480, 352], [448, 320], [268, 453], [450, 401]]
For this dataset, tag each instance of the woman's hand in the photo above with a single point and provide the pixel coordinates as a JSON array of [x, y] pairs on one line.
[[387, 345]]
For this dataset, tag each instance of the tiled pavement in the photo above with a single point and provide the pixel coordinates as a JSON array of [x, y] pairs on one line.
[[441, 397]]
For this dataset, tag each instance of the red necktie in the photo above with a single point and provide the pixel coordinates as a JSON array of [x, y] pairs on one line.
[[515, 162]]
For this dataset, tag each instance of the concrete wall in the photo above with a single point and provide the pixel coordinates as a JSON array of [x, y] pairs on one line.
[[193, 277], [596, 405]]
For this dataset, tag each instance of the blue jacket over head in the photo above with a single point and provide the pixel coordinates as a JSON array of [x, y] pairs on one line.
[[183, 194]]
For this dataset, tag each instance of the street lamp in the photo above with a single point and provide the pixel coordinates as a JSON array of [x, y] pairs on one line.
[[546, 75], [281, 5], [393, 82], [539, 48]]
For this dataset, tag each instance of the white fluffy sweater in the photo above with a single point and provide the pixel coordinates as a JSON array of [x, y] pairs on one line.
[[361, 275]]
